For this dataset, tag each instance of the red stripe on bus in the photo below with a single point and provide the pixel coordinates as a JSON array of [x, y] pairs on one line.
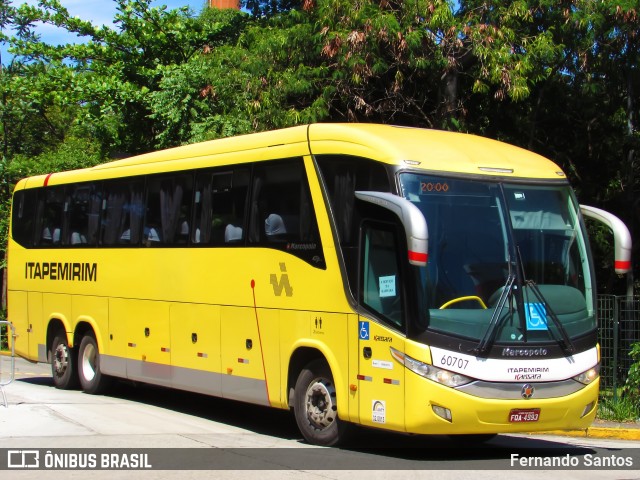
[[418, 257], [46, 179], [622, 264]]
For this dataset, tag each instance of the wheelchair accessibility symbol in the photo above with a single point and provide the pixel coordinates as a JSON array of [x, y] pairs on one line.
[[363, 328], [536, 316]]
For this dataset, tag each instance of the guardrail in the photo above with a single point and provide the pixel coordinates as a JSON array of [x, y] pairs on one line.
[[7, 337]]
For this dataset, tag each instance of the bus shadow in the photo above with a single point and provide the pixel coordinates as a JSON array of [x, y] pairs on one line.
[[43, 381], [444, 448], [382, 444], [258, 419]]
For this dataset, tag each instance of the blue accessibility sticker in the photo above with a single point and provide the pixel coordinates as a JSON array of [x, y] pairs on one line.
[[536, 316], [363, 328]]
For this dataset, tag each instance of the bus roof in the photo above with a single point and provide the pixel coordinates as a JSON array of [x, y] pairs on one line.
[[431, 150]]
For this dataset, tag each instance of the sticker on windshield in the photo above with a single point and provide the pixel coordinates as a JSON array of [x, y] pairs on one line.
[[536, 316], [519, 195], [387, 286]]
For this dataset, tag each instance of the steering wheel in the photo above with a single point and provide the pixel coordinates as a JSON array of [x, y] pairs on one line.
[[463, 299]]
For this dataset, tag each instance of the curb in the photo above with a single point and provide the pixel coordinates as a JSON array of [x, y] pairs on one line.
[[616, 433]]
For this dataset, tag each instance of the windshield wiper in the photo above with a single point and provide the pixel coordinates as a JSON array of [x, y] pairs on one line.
[[495, 321], [565, 342]]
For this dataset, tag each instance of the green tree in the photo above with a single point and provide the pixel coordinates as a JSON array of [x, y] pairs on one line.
[[113, 72], [270, 78], [556, 76]]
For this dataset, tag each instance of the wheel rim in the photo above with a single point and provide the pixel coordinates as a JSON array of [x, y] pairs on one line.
[[320, 404], [89, 363], [61, 359]]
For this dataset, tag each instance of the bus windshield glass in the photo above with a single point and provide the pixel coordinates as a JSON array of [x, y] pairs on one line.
[[507, 262]]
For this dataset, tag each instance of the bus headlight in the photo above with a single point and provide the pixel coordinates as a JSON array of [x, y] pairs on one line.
[[588, 376], [439, 375]]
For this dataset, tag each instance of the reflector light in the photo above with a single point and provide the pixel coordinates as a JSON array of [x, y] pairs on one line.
[[496, 169]]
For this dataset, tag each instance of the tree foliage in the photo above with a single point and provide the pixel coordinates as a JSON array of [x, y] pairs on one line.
[[559, 77]]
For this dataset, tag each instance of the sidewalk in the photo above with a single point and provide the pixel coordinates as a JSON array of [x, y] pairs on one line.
[[599, 428]]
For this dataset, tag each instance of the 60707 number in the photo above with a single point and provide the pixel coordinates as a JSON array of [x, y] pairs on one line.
[[451, 361]]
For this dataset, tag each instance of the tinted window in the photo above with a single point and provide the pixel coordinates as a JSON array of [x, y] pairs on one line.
[[168, 210], [282, 214], [343, 176], [122, 212], [381, 280], [219, 207], [52, 218], [84, 204], [25, 207]]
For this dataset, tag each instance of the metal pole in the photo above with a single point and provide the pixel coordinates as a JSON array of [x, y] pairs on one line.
[[616, 323], [13, 360]]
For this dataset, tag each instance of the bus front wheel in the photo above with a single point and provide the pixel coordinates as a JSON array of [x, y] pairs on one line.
[[63, 363], [315, 406], [92, 380]]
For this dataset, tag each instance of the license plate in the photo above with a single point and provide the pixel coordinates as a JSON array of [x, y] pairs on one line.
[[521, 416]]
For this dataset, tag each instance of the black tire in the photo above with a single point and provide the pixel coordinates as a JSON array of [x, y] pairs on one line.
[[92, 379], [315, 406], [63, 363]]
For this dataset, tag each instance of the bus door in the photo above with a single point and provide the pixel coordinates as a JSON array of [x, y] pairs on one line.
[[380, 377]]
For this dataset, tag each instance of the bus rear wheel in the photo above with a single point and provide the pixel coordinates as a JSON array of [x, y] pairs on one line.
[[315, 406], [63, 363], [92, 380]]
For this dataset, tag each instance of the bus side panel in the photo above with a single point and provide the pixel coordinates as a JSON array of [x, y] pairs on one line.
[[140, 331], [269, 322], [37, 330], [241, 356], [353, 334], [148, 330], [18, 315], [95, 311], [55, 306], [195, 347], [113, 361], [326, 333], [381, 384]]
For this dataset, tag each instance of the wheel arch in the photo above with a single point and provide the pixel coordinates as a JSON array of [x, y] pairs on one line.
[[301, 356], [57, 324], [85, 326]]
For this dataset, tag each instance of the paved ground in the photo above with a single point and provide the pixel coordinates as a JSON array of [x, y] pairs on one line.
[[34, 373]]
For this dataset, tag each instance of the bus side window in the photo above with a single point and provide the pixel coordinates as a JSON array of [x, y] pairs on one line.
[[85, 202], [201, 231], [381, 280], [168, 210], [25, 218], [343, 175], [229, 192], [122, 212], [219, 207], [282, 215], [54, 206]]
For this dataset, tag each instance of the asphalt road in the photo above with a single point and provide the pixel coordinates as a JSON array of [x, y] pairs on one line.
[[183, 435]]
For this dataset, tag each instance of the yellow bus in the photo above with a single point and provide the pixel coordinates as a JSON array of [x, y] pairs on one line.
[[405, 279]]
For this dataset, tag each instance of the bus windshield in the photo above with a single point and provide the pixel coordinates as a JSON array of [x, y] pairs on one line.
[[507, 262]]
